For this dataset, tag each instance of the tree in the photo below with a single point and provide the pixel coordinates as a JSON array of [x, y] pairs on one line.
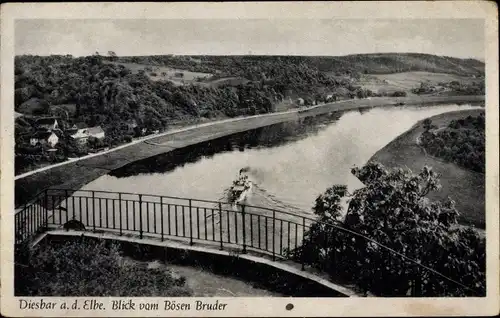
[[427, 123], [112, 55], [393, 210]]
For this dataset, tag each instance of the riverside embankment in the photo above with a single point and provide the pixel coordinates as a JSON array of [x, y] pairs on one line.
[[74, 174], [465, 187]]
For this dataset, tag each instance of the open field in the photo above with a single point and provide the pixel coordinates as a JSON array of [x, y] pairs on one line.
[[465, 187], [165, 73], [408, 80], [75, 174]]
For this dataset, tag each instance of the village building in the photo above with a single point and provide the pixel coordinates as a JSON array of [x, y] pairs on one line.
[[44, 137], [81, 132], [47, 124], [300, 101]]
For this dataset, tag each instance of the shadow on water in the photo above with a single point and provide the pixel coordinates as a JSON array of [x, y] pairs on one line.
[[265, 137]]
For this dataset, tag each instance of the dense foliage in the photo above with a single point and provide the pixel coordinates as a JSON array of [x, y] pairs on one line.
[[462, 142], [87, 268], [392, 209]]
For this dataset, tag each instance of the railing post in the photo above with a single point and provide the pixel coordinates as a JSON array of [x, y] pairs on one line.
[[120, 212], [190, 223], [93, 209], [140, 216], [220, 225], [274, 233], [243, 224], [303, 251]]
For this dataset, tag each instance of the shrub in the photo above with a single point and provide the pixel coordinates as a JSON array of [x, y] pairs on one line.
[[88, 268]]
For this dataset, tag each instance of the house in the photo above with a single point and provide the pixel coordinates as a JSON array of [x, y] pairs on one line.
[[44, 137], [300, 101], [96, 132], [81, 132], [48, 123]]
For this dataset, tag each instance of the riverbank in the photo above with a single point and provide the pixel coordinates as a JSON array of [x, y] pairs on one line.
[[465, 187], [75, 174]]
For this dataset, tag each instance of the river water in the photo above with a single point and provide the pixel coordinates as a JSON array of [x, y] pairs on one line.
[[290, 163]]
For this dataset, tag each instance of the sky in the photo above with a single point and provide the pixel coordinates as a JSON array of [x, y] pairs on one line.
[[462, 38]]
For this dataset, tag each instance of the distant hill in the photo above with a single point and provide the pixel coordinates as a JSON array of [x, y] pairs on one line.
[[377, 63]]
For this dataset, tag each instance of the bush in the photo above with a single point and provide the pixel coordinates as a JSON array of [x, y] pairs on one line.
[[399, 94], [88, 268]]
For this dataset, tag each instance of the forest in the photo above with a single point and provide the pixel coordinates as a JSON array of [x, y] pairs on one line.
[[462, 142]]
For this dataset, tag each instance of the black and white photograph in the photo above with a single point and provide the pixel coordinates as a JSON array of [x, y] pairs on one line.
[[171, 165]]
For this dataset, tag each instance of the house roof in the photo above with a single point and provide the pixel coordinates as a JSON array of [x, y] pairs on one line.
[[46, 121], [95, 130], [81, 125]]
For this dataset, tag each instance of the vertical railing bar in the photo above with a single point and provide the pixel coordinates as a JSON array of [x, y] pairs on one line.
[[100, 212], [296, 238], [236, 226], [127, 216], [73, 200], [190, 223], [107, 213], [183, 221], [228, 228], [281, 237], [147, 217], [80, 208], [120, 212], [213, 223], [133, 211], [302, 258], [267, 238], [154, 217], [244, 230], [93, 209], [220, 222], [205, 222], [168, 217], [258, 227], [176, 221], [251, 230], [288, 242], [140, 216], [161, 217], [87, 217], [198, 222], [114, 214], [274, 234]]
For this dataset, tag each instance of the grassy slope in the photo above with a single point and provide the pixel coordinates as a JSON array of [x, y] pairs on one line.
[[188, 78], [466, 187], [408, 80]]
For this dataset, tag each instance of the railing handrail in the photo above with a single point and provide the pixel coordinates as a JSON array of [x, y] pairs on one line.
[[183, 198], [301, 221]]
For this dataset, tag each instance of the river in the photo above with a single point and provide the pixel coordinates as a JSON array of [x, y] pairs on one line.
[[290, 163]]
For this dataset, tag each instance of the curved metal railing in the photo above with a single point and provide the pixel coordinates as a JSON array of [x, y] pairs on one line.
[[263, 230]]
